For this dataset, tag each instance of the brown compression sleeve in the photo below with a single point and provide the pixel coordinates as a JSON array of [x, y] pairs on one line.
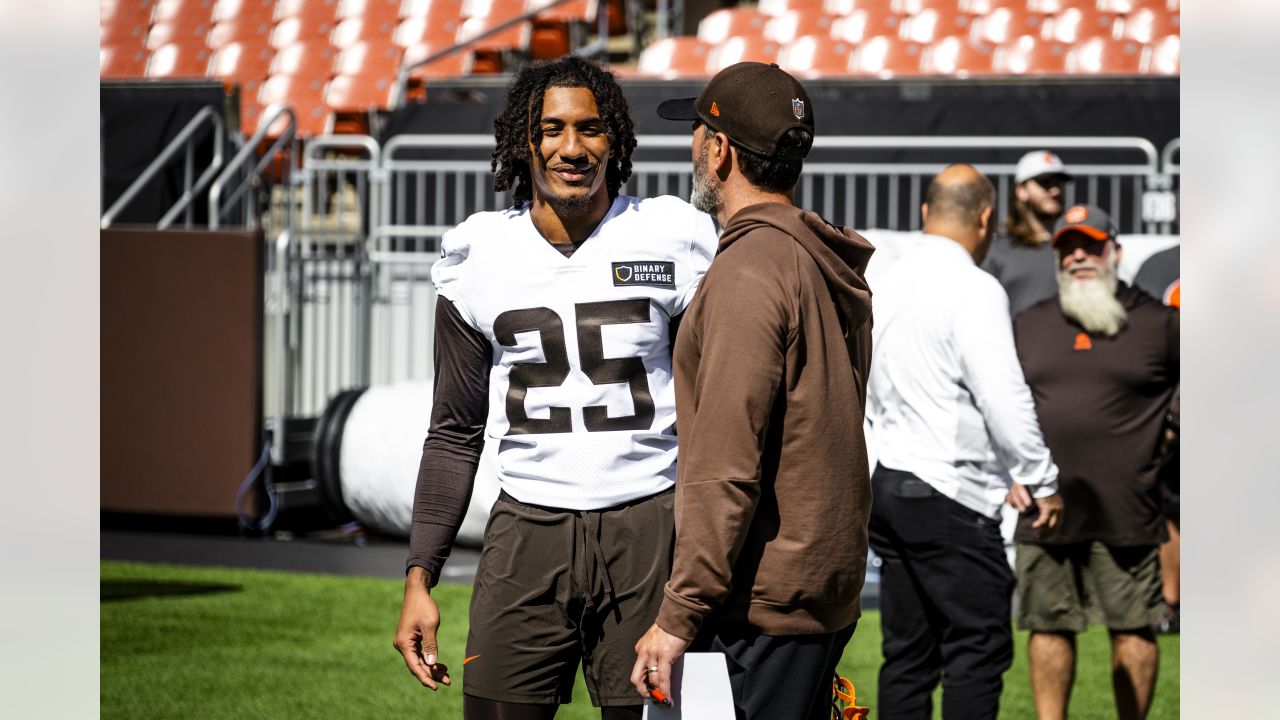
[[451, 452]]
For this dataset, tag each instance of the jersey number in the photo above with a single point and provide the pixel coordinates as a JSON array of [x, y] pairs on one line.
[[552, 372]]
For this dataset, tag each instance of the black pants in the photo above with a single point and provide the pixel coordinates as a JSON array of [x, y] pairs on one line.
[[945, 595], [777, 676]]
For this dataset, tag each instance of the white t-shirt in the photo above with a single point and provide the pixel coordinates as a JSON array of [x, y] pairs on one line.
[[581, 401]]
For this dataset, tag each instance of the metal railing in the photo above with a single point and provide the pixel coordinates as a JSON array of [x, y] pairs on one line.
[[360, 301], [206, 117], [218, 208]]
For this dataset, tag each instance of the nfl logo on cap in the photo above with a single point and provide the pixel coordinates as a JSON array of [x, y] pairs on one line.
[[797, 108]]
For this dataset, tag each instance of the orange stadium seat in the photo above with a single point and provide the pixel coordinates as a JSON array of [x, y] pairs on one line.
[[241, 61], [865, 23], [249, 30], [1005, 24], [178, 60], [169, 11], [413, 31], [317, 9], [304, 95], [776, 8], [675, 57], [352, 30], [1125, 7], [348, 95], [741, 49], [123, 32], [552, 31], [930, 24], [1053, 7], [126, 11], [1032, 56], [184, 30], [368, 57], [1074, 25], [885, 56], [451, 65], [515, 37], [312, 59], [432, 9], [300, 29], [1146, 25], [117, 61], [797, 23], [368, 9], [957, 57], [1166, 56], [244, 11], [574, 11], [1104, 56], [813, 56], [720, 25], [840, 8], [984, 7], [914, 7]]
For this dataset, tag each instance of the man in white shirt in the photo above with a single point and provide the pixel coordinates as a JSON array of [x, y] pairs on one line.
[[952, 420]]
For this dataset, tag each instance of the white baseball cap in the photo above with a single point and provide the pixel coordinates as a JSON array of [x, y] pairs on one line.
[[1037, 163]]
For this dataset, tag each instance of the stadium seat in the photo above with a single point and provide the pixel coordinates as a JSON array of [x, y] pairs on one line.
[[930, 24], [1166, 56], [125, 11], [300, 29], [304, 95], [241, 61], [1004, 24], [814, 56], [957, 57], [885, 56], [675, 57], [484, 15], [582, 11], [171, 11], [250, 30], [915, 7], [185, 30], [1146, 25], [1053, 7], [377, 10], [1125, 7], [368, 57], [122, 61], [1028, 55], [721, 25], [244, 11], [311, 59], [741, 49], [177, 60], [865, 23], [352, 30], [435, 10], [841, 8], [1074, 25], [413, 31], [984, 7], [356, 94], [777, 8], [1104, 56], [797, 23], [452, 65], [314, 9], [123, 32]]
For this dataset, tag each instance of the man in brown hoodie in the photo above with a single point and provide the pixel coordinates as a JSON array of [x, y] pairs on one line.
[[772, 487]]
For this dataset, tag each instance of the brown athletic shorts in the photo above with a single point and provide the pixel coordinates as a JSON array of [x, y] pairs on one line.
[[1066, 588], [557, 586]]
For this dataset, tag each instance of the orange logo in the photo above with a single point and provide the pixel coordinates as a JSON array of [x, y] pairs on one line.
[[715, 109], [1082, 343], [467, 660], [1076, 214], [1173, 295], [1049, 158]]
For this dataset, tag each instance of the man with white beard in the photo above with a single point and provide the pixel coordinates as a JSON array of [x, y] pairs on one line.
[[1102, 362]]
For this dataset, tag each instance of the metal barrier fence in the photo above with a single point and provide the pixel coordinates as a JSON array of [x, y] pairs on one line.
[[361, 301]]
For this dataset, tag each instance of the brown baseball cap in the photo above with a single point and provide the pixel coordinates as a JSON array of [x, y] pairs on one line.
[[754, 104], [1088, 219]]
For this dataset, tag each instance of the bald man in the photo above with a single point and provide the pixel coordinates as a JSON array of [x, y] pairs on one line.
[[952, 420]]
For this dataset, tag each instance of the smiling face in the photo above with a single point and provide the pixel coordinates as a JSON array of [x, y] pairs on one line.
[[1081, 257], [571, 159]]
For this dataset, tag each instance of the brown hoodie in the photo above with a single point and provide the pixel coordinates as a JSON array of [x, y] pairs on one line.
[[773, 490]]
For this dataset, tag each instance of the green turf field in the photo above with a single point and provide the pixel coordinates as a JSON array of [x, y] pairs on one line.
[[198, 643]]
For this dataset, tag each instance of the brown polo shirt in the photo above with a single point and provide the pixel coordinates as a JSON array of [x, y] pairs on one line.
[[1102, 403]]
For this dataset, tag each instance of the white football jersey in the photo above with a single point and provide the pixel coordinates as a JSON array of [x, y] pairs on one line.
[[581, 401]]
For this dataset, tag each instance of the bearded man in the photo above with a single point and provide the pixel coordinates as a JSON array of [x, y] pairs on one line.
[[1102, 363]]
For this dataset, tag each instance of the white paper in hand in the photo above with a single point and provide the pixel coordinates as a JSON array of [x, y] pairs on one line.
[[699, 690]]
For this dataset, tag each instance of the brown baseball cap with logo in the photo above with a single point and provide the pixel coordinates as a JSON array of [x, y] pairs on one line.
[[1090, 220], [754, 104]]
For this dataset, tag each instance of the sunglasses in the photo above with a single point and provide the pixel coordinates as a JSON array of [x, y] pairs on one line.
[[1051, 181]]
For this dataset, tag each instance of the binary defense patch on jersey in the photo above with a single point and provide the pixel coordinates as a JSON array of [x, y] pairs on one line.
[[635, 273]]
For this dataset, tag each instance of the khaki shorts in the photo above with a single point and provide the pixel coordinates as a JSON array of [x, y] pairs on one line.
[[555, 587], [1066, 588]]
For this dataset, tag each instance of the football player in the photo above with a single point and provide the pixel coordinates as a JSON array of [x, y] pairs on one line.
[[554, 329]]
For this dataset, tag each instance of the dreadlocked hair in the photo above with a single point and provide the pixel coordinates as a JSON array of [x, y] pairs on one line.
[[519, 122]]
